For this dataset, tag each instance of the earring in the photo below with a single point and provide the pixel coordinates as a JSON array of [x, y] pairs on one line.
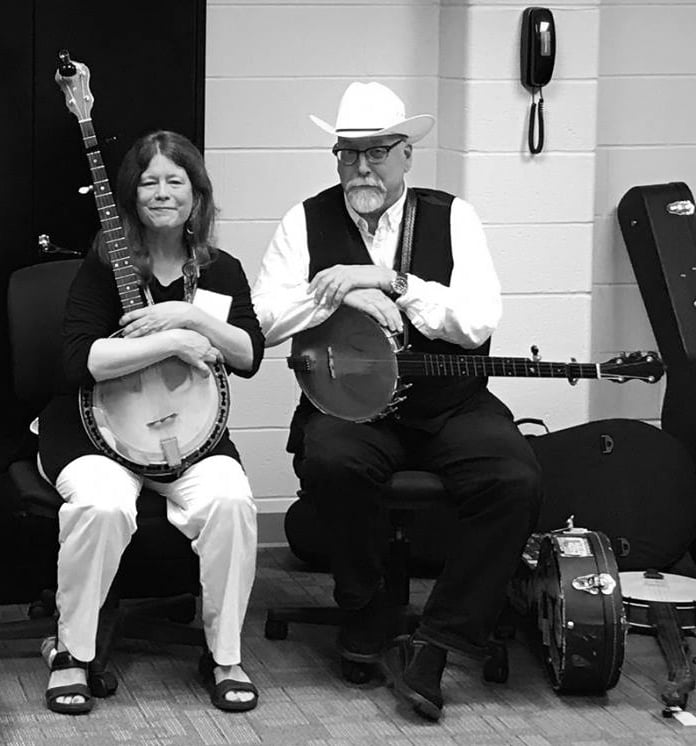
[[187, 228]]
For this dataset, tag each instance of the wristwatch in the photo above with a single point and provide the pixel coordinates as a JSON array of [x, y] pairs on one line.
[[398, 286]]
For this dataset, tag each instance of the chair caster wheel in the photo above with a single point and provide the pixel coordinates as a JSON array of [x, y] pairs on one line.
[[276, 629], [356, 673], [674, 700], [102, 684], [496, 666], [673, 706]]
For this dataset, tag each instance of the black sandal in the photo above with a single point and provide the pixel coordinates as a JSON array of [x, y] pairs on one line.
[[218, 691], [62, 661], [217, 695]]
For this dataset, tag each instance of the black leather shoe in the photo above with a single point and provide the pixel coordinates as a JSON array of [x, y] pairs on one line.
[[365, 631], [417, 668]]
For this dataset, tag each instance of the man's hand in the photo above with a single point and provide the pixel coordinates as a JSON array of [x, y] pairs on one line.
[[331, 285], [376, 304]]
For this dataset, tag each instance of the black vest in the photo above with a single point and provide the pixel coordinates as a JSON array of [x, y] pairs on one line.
[[333, 238]]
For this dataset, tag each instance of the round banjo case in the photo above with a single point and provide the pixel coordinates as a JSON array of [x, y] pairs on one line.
[[567, 589]]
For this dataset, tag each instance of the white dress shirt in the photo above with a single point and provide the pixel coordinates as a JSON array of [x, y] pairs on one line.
[[466, 312]]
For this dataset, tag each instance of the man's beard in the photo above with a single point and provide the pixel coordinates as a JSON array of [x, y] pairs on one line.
[[365, 197]]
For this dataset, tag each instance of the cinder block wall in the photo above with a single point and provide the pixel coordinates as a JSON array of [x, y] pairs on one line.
[[624, 76], [646, 133], [537, 210]]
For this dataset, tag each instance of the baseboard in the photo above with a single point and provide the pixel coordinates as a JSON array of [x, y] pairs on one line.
[[271, 518]]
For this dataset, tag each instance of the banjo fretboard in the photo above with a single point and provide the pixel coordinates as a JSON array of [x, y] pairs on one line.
[[424, 364], [112, 228]]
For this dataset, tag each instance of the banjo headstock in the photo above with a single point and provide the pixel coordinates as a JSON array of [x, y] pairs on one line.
[[73, 79], [632, 366]]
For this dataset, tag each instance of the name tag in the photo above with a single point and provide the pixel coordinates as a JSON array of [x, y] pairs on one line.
[[216, 304]]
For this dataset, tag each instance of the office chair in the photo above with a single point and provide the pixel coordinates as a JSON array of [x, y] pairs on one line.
[[408, 495], [158, 567]]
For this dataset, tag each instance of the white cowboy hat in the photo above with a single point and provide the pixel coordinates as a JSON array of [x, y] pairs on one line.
[[371, 110]]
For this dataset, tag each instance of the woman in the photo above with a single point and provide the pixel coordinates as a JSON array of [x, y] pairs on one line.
[[166, 206]]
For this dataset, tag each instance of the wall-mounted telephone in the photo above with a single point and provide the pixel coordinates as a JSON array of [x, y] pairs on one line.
[[537, 58], [538, 47]]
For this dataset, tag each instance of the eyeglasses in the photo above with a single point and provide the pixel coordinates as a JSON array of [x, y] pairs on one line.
[[375, 154]]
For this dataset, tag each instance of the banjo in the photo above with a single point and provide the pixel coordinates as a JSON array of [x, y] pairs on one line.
[[664, 605], [350, 367], [159, 420]]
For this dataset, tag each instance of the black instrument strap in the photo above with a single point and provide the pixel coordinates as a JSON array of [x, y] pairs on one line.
[[404, 254]]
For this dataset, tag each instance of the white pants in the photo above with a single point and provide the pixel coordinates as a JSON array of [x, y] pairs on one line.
[[210, 503]]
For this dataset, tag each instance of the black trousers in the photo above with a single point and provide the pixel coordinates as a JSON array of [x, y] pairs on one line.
[[492, 479]]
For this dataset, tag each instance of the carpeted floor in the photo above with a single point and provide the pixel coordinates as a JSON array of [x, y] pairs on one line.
[[303, 700]]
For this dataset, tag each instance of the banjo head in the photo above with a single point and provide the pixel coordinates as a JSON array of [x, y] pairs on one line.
[[643, 592], [159, 420], [658, 587], [350, 369]]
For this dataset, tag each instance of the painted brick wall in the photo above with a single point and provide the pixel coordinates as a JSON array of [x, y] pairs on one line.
[[646, 132]]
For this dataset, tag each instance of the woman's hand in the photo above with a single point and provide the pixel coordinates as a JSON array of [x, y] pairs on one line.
[[172, 314], [195, 349]]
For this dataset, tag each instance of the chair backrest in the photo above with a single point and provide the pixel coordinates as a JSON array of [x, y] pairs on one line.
[[36, 299]]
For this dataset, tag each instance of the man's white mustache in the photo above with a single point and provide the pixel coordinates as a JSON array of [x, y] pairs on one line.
[[363, 184]]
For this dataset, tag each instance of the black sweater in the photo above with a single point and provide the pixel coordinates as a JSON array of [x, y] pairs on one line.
[[92, 312]]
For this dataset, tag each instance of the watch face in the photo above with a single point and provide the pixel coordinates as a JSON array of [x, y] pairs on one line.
[[399, 284]]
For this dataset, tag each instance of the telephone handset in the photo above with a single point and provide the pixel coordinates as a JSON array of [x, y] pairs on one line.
[[538, 48], [537, 58]]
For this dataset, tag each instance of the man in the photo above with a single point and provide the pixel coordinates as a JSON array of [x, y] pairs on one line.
[[342, 247]]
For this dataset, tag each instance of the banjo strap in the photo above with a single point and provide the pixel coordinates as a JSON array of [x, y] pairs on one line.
[[191, 273], [404, 254]]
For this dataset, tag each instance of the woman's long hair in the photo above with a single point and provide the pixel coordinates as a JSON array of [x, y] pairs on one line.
[[199, 228]]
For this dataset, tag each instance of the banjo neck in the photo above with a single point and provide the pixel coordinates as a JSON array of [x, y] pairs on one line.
[[638, 365], [117, 249], [426, 364], [72, 78]]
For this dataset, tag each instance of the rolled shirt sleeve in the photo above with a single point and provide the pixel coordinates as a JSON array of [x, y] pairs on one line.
[[280, 296], [467, 311]]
